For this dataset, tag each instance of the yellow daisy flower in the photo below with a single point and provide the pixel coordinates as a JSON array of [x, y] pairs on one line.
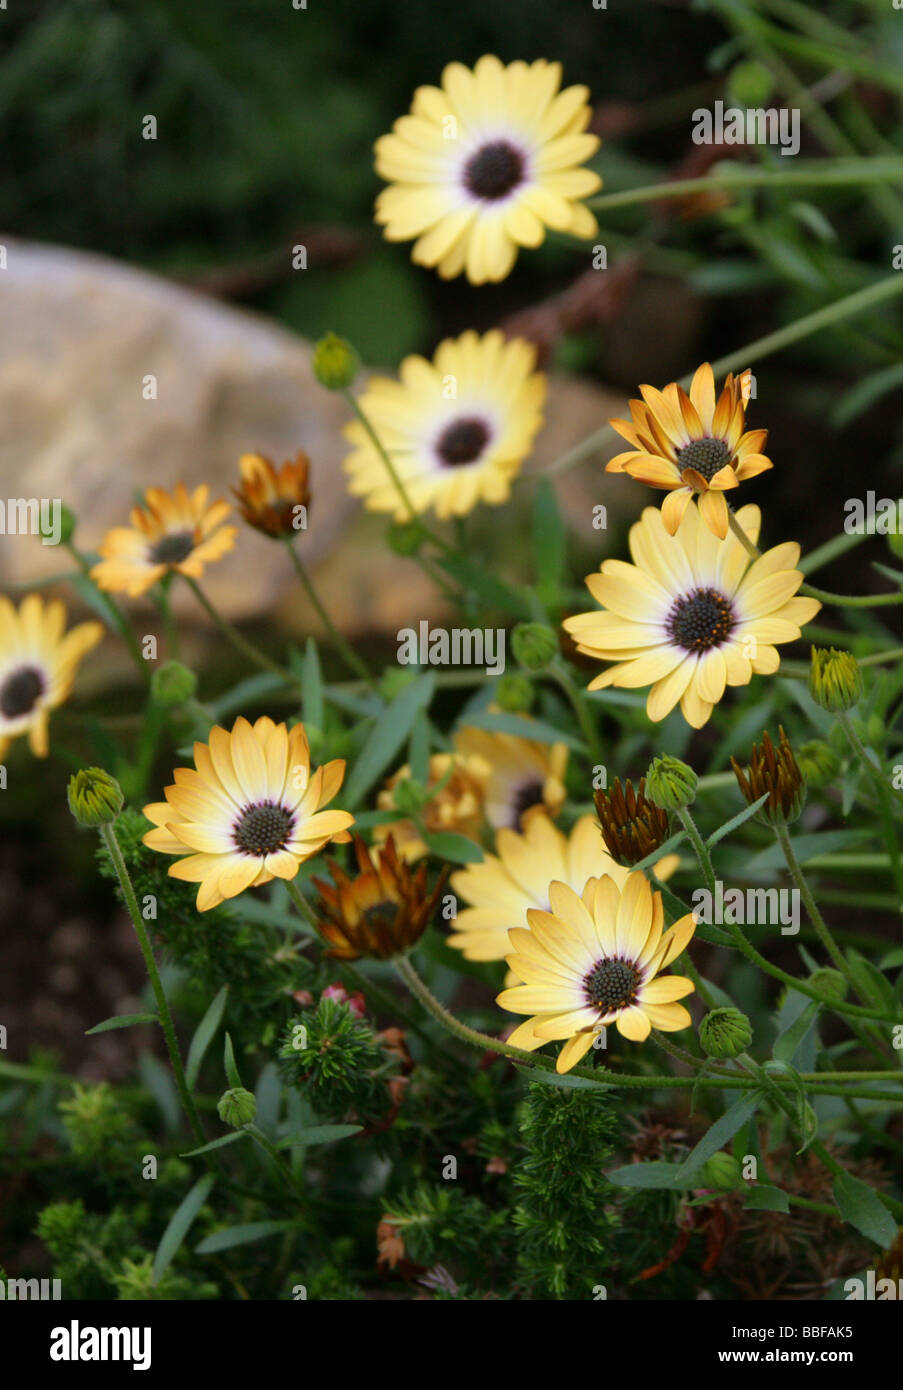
[[688, 444], [248, 811], [483, 164], [592, 960], [505, 885], [692, 614], [172, 532], [457, 429], [37, 667], [516, 774]]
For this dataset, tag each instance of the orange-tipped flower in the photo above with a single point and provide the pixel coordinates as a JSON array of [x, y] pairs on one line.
[[274, 501], [382, 911], [692, 443], [174, 531]]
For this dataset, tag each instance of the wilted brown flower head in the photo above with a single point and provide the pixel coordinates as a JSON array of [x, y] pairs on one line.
[[274, 501], [631, 826], [380, 912], [775, 771]]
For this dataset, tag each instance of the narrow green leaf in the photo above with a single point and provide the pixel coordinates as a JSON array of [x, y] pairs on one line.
[[447, 844], [536, 729], [655, 1174], [318, 1134], [807, 847], [767, 1198], [240, 1235], [723, 1129], [312, 686], [861, 1206], [419, 748], [159, 1082], [122, 1021], [229, 1062], [790, 1039], [667, 848], [735, 821], [179, 1224], [204, 1036], [245, 693], [219, 1143], [387, 736], [485, 585], [549, 539]]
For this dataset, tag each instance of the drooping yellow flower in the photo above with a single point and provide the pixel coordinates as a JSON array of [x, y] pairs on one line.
[[248, 811], [516, 774], [483, 164], [457, 429], [454, 802], [692, 443], [37, 666], [591, 961], [506, 884], [382, 911], [172, 532], [274, 500], [692, 614]]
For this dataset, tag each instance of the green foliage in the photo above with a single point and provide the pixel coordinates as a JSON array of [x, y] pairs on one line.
[[564, 1216], [336, 1060]]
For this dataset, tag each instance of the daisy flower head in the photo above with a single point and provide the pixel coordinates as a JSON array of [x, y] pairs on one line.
[[380, 912], [516, 878], [457, 429], [593, 960], [517, 775], [249, 811], [692, 443], [173, 532], [692, 614], [274, 500], [38, 662], [482, 164]]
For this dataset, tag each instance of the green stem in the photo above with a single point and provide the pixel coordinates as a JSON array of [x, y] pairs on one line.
[[699, 847], [578, 704], [270, 1148], [108, 834], [753, 352], [821, 927], [884, 801], [241, 644], [355, 662], [117, 617], [739, 177], [169, 627]]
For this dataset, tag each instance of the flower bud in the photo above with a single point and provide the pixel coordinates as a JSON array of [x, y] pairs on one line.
[[818, 763], [775, 773], [750, 84], [534, 645], [66, 524], [670, 784], [830, 984], [405, 537], [514, 693], [835, 681], [172, 684], [723, 1172], [236, 1107], [335, 363], [725, 1033], [95, 798]]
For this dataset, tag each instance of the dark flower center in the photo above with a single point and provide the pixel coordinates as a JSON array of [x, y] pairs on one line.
[[707, 456], [384, 912], [462, 441], [527, 795], [263, 829], [494, 170], [172, 549], [19, 692], [701, 620], [612, 984]]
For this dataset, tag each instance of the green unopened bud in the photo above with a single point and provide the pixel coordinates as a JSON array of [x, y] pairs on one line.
[[172, 684], [750, 84], [830, 984], [725, 1033], [534, 645], [405, 537], [95, 798], [670, 784], [335, 363], [818, 763], [835, 681], [236, 1107], [394, 680], [410, 796], [513, 693], [723, 1172], [59, 528]]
